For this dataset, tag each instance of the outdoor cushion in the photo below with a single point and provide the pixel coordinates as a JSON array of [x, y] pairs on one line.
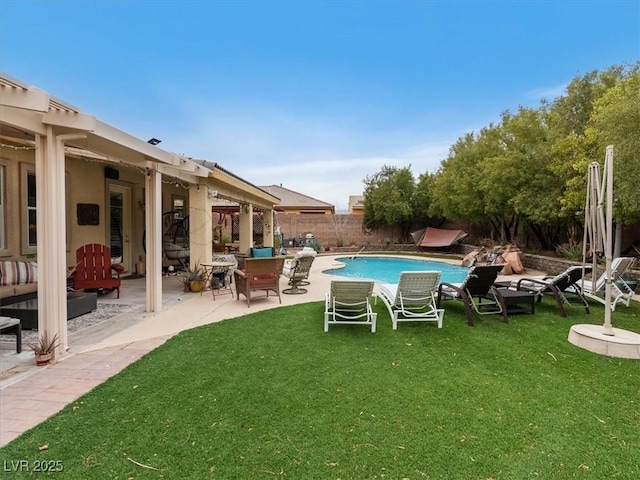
[[262, 279], [262, 252], [256, 278], [18, 273]]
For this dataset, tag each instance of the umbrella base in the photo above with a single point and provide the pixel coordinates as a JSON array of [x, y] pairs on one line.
[[622, 344]]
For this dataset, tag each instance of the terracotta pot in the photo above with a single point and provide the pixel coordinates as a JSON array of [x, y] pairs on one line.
[[43, 358]]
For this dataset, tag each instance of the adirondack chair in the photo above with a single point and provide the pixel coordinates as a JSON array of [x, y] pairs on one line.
[[94, 269]]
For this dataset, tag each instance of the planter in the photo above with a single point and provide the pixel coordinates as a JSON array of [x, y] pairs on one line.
[[197, 286], [186, 287], [43, 358]]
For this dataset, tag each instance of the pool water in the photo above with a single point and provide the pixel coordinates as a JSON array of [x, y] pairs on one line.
[[387, 270]]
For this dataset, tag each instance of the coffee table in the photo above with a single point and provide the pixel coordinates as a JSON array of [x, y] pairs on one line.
[[516, 301], [78, 303]]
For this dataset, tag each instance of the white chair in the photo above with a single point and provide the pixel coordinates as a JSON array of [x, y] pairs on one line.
[[349, 303], [413, 298], [620, 291]]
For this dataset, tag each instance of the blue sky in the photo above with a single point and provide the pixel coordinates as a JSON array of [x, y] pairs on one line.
[[311, 95]]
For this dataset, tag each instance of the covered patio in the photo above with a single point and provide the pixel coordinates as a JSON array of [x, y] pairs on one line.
[[75, 160]]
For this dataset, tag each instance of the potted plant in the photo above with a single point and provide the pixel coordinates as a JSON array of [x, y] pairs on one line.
[[43, 348], [193, 278]]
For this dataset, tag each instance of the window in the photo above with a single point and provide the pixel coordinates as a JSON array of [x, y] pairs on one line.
[[32, 224], [29, 234]]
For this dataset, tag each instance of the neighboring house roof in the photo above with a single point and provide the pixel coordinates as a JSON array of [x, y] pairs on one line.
[[290, 200]]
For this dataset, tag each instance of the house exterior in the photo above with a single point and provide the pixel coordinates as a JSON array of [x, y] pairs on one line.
[[292, 202], [68, 179], [356, 204]]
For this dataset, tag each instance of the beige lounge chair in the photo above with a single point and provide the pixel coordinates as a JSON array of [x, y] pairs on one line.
[[413, 298], [349, 303]]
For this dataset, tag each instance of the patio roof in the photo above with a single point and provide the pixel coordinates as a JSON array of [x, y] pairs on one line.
[[27, 111]]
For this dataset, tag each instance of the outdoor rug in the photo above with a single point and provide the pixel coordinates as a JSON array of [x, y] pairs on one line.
[[104, 312]]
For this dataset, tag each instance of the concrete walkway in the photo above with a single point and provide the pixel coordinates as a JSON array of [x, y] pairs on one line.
[[33, 393]]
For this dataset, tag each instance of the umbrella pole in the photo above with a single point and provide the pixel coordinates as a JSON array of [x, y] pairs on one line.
[[608, 172]]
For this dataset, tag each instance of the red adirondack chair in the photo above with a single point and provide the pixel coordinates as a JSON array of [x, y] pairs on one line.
[[94, 268]]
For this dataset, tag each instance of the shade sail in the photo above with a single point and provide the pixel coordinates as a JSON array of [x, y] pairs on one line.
[[417, 236], [438, 237]]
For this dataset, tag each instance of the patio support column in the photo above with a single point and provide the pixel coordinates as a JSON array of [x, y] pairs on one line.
[[200, 225], [246, 226], [267, 228], [153, 226], [52, 254]]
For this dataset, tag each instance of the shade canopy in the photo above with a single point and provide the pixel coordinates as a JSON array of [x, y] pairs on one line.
[[438, 237]]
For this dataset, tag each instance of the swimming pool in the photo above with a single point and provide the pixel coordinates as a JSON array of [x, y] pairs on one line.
[[387, 269]]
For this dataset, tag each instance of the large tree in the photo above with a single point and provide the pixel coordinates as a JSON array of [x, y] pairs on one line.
[[456, 188], [388, 199], [616, 121]]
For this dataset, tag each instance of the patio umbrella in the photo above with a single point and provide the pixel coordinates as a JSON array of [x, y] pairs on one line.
[[598, 232]]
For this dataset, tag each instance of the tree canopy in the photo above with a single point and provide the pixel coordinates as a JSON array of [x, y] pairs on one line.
[[529, 170]]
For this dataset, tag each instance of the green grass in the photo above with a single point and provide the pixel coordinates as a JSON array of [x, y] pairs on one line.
[[269, 395]]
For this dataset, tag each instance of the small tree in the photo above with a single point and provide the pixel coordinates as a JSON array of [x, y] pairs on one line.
[[340, 224]]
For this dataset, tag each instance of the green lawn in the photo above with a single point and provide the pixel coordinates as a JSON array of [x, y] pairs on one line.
[[269, 395]]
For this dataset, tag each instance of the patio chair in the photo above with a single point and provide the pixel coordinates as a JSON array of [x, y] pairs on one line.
[[413, 298], [477, 292], [349, 303], [259, 274], [563, 284], [620, 291], [302, 275], [94, 269], [297, 272]]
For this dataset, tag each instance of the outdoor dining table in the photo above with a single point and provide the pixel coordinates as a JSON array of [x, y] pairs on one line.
[[215, 275]]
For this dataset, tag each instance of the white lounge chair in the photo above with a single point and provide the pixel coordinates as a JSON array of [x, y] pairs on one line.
[[620, 291], [413, 298], [349, 303]]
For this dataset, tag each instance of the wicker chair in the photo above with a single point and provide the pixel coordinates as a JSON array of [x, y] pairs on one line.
[[259, 274]]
